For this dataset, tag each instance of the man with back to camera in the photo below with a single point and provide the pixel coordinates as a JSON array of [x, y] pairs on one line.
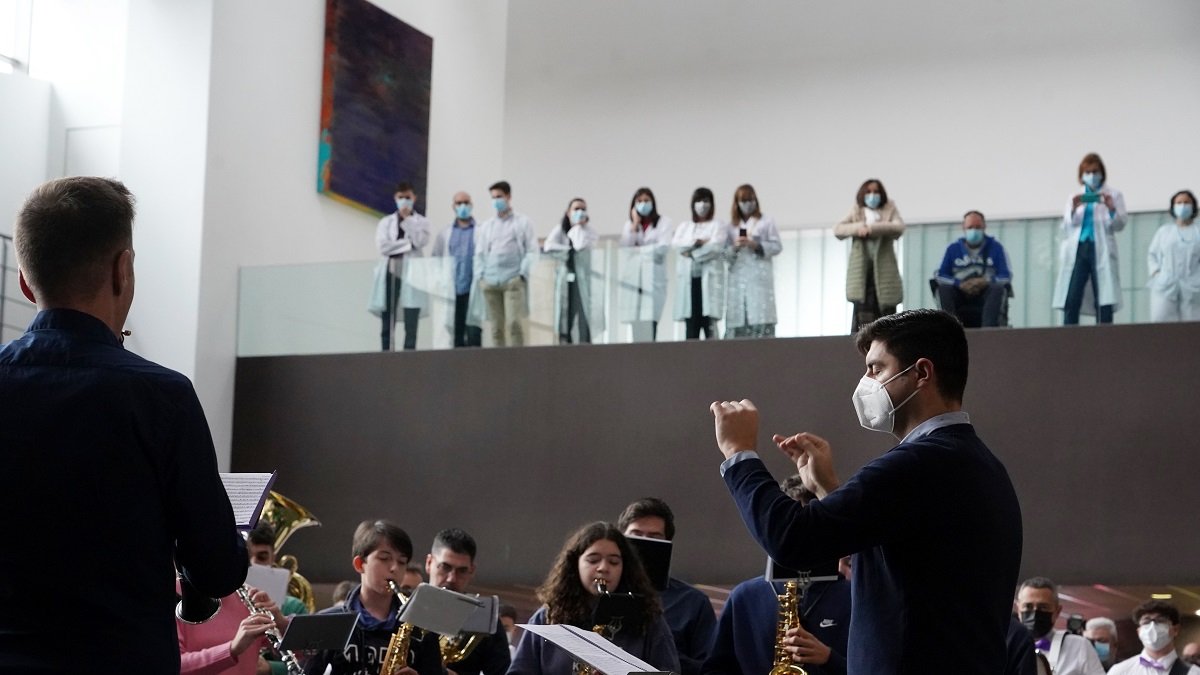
[[974, 274], [1038, 608], [108, 476], [936, 511], [687, 610], [451, 564], [1158, 626]]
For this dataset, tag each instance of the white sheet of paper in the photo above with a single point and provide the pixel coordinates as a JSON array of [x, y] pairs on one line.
[[273, 580], [247, 494], [589, 647]]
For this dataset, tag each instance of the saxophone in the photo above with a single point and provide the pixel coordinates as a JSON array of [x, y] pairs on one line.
[[273, 636], [789, 617], [455, 648], [396, 657], [603, 630]]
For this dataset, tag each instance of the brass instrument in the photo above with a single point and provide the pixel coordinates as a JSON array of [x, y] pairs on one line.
[[455, 648], [273, 636], [396, 657], [286, 516], [603, 630], [789, 617]]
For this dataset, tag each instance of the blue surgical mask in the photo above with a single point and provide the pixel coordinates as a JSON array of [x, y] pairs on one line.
[[973, 236], [404, 204], [1092, 180], [644, 208], [873, 200], [500, 204], [1102, 650], [462, 211], [1184, 211], [578, 216]]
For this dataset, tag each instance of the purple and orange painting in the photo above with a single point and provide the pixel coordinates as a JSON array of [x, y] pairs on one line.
[[374, 106]]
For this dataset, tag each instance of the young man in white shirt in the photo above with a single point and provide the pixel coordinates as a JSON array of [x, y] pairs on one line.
[[1158, 626], [1038, 608], [401, 236], [504, 250]]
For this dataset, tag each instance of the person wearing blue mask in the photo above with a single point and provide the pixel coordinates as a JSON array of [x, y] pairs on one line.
[[505, 247], [400, 237], [1088, 254], [645, 240], [973, 278], [1101, 631], [455, 245], [1175, 264], [700, 269], [578, 312], [873, 284]]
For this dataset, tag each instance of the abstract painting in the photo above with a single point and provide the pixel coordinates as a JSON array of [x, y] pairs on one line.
[[374, 106]]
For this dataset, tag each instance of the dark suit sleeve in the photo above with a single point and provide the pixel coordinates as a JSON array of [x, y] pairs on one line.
[[722, 655], [208, 548], [869, 509]]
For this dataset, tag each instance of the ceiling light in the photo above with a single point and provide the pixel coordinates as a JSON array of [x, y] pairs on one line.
[[1198, 612], [1160, 596]]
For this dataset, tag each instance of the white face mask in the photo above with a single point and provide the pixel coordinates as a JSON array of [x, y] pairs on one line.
[[1155, 636], [874, 405], [747, 207], [702, 208]]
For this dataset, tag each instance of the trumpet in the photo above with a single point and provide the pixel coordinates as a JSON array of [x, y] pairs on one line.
[[396, 657], [273, 636]]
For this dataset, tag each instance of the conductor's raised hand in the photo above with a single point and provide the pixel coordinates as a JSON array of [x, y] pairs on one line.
[[736, 426], [814, 461]]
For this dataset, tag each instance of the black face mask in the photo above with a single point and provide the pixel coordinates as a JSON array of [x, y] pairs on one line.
[[1038, 622]]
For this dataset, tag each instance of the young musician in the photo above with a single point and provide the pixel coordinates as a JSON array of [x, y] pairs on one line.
[[597, 552], [381, 552], [229, 642]]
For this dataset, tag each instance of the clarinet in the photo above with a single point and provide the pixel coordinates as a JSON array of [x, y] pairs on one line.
[[273, 636]]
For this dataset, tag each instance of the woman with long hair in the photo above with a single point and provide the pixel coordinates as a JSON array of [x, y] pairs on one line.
[[577, 312], [750, 307], [645, 240], [596, 553], [873, 225]]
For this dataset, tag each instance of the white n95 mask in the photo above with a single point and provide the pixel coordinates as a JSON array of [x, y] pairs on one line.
[[874, 405]]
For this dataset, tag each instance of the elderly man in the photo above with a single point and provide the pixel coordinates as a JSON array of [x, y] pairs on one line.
[[1102, 631], [973, 279]]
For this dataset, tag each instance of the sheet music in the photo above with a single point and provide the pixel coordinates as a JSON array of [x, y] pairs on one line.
[[247, 494], [591, 648]]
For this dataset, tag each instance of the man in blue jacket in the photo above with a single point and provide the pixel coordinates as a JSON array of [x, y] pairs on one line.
[[937, 511], [973, 279]]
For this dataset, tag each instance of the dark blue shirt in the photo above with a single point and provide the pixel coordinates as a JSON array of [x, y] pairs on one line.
[[107, 476], [961, 262], [935, 528], [690, 615], [369, 643]]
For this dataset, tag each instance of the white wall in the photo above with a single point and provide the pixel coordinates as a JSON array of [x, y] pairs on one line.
[[973, 104], [26, 105], [260, 205]]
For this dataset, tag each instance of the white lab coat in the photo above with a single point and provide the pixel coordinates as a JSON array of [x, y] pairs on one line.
[[751, 299], [642, 292], [1174, 268], [1073, 655], [445, 289], [707, 262], [1106, 225], [414, 282], [558, 246]]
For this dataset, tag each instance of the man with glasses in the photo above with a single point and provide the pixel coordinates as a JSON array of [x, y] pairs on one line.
[[1158, 626], [451, 565], [1038, 608]]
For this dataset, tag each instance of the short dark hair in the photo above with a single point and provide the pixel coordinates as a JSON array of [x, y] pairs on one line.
[[703, 194], [975, 213], [862, 192], [1171, 206], [1039, 582], [370, 533], [509, 611], [263, 533], [793, 487], [405, 186], [923, 333], [456, 540], [501, 185], [1160, 607], [342, 590], [1092, 158], [648, 507], [68, 233]]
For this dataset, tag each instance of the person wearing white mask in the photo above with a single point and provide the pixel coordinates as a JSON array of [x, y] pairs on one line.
[[1158, 626], [1088, 252], [400, 236], [700, 269], [1037, 607], [750, 309], [505, 247], [1175, 264], [455, 245], [645, 241], [940, 495], [873, 225], [578, 313], [973, 278]]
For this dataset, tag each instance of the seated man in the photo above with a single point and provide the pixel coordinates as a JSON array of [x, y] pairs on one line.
[[1102, 631], [1038, 608], [1158, 626], [974, 276]]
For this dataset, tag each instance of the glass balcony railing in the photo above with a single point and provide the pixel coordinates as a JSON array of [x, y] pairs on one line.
[[16, 312], [322, 308]]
